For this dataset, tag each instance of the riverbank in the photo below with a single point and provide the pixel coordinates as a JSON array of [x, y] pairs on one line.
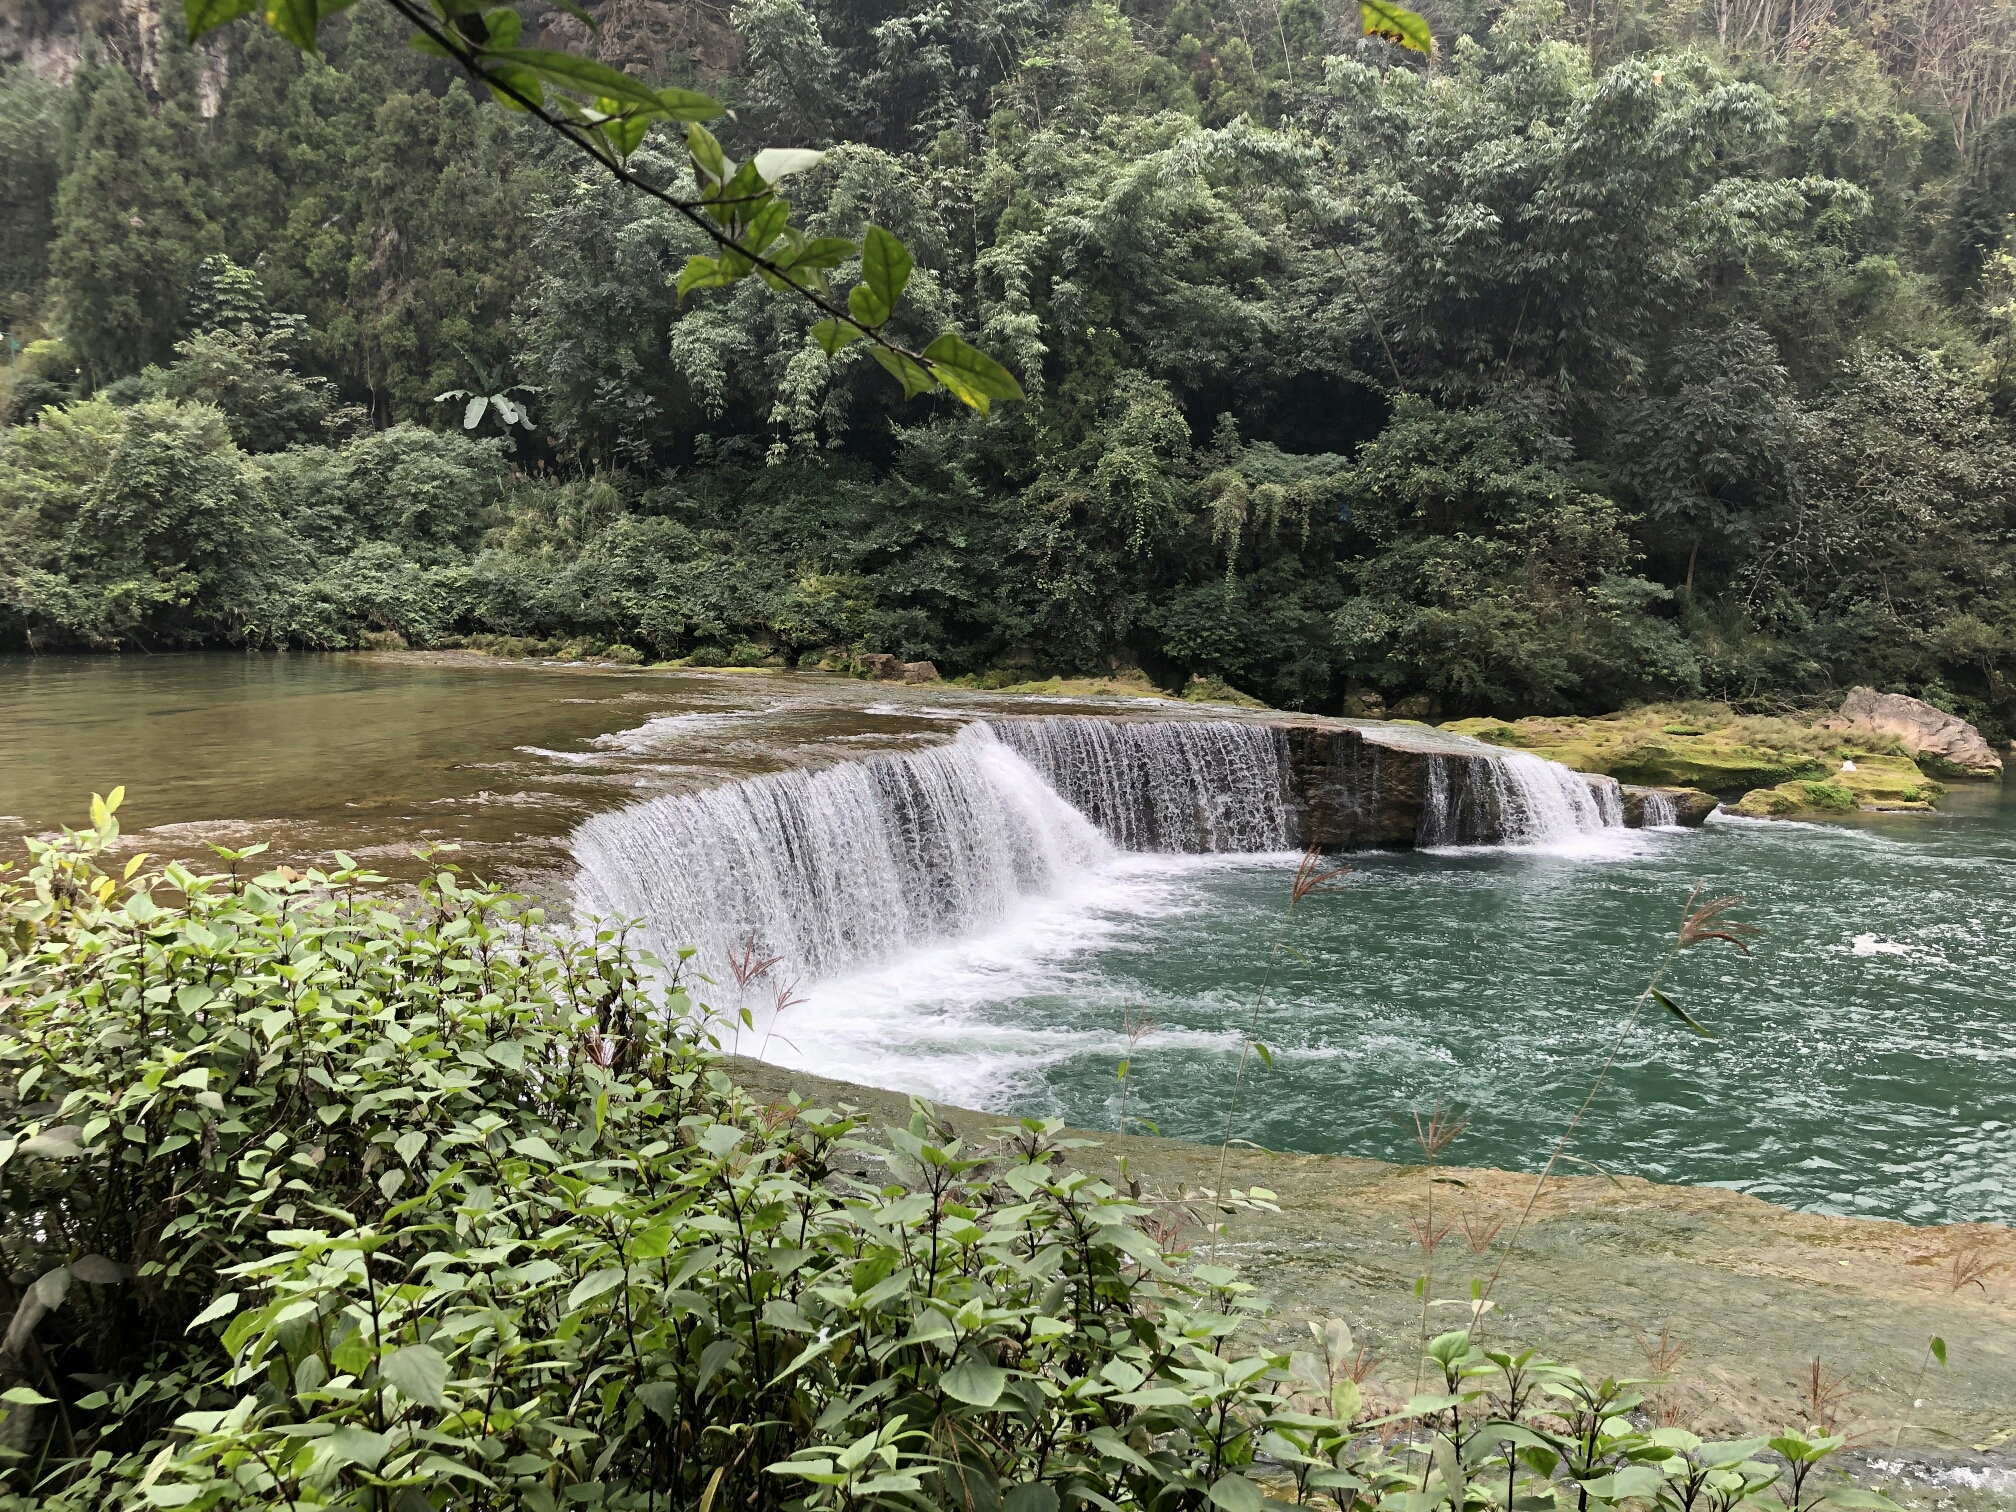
[[1753, 1294]]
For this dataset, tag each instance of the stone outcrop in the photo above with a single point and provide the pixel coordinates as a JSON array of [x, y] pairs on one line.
[[1944, 742], [1350, 791], [920, 672], [1655, 806]]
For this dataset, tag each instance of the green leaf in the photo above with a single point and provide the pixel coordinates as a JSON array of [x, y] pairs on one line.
[[706, 273], [1680, 1013], [223, 1307], [974, 1382], [689, 105], [974, 377], [885, 267], [661, 1397], [835, 334], [418, 1371], [818, 252], [352, 1445], [1235, 1493], [594, 1285], [583, 74], [706, 152], [208, 15], [867, 307], [1939, 1350], [915, 380], [295, 20], [623, 132], [409, 1144], [24, 1396], [1395, 24], [1033, 1497]]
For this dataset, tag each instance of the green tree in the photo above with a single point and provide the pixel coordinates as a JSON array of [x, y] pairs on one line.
[[130, 228], [31, 114]]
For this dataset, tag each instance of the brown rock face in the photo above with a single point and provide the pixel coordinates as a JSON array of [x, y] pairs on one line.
[[1945, 742], [881, 666], [920, 672], [1666, 805]]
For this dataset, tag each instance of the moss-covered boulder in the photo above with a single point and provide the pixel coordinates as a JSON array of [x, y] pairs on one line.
[[1865, 784]]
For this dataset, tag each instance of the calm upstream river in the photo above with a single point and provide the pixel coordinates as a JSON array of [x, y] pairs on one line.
[[1864, 1058]]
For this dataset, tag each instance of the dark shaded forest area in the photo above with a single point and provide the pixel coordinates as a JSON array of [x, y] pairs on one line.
[[1616, 352]]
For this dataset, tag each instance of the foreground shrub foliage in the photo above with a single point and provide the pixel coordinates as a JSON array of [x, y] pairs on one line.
[[318, 1200]]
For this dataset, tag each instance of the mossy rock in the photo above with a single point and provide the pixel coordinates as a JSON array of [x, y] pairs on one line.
[[1878, 784], [1203, 689], [1720, 761]]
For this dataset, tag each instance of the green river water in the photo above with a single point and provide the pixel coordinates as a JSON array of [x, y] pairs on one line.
[[1865, 1052]]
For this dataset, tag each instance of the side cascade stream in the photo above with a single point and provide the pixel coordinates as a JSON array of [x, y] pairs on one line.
[[855, 864]]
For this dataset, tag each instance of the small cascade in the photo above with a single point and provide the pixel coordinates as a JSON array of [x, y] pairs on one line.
[[1510, 798], [1177, 786], [1660, 809]]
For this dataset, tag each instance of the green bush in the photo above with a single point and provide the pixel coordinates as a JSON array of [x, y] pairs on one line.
[[707, 656], [316, 1199]]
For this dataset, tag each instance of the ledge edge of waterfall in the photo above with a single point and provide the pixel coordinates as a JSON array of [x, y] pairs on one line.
[[856, 863]]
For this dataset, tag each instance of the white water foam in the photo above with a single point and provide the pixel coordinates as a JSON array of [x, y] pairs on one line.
[[1513, 798]]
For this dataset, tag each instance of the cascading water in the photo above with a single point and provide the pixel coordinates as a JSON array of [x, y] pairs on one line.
[[1660, 810], [1180, 786], [839, 867], [1511, 798], [856, 864]]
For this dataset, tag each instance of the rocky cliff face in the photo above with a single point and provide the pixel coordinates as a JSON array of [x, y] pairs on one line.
[[1944, 743]]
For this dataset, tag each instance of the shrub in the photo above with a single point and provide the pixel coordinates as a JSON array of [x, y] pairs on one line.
[[707, 656], [318, 1200]]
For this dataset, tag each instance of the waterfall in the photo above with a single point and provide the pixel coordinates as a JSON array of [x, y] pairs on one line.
[[858, 863], [829, 869], [1178, 786], [1660, 809], [1510, 798]]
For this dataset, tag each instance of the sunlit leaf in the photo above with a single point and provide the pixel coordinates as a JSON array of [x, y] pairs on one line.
[[1396, 24], [208, 15], [974, 377]]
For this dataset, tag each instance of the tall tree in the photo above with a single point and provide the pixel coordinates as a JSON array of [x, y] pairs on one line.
[[130, 228]]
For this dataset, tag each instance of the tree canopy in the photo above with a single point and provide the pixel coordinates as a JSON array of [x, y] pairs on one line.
[[1593, 356]]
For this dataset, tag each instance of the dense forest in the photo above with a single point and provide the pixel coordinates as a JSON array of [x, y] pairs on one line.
[[1616, 351]]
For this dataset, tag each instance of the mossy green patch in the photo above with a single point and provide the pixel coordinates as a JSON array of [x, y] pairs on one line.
[[1884, 784], [1708, 746]]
